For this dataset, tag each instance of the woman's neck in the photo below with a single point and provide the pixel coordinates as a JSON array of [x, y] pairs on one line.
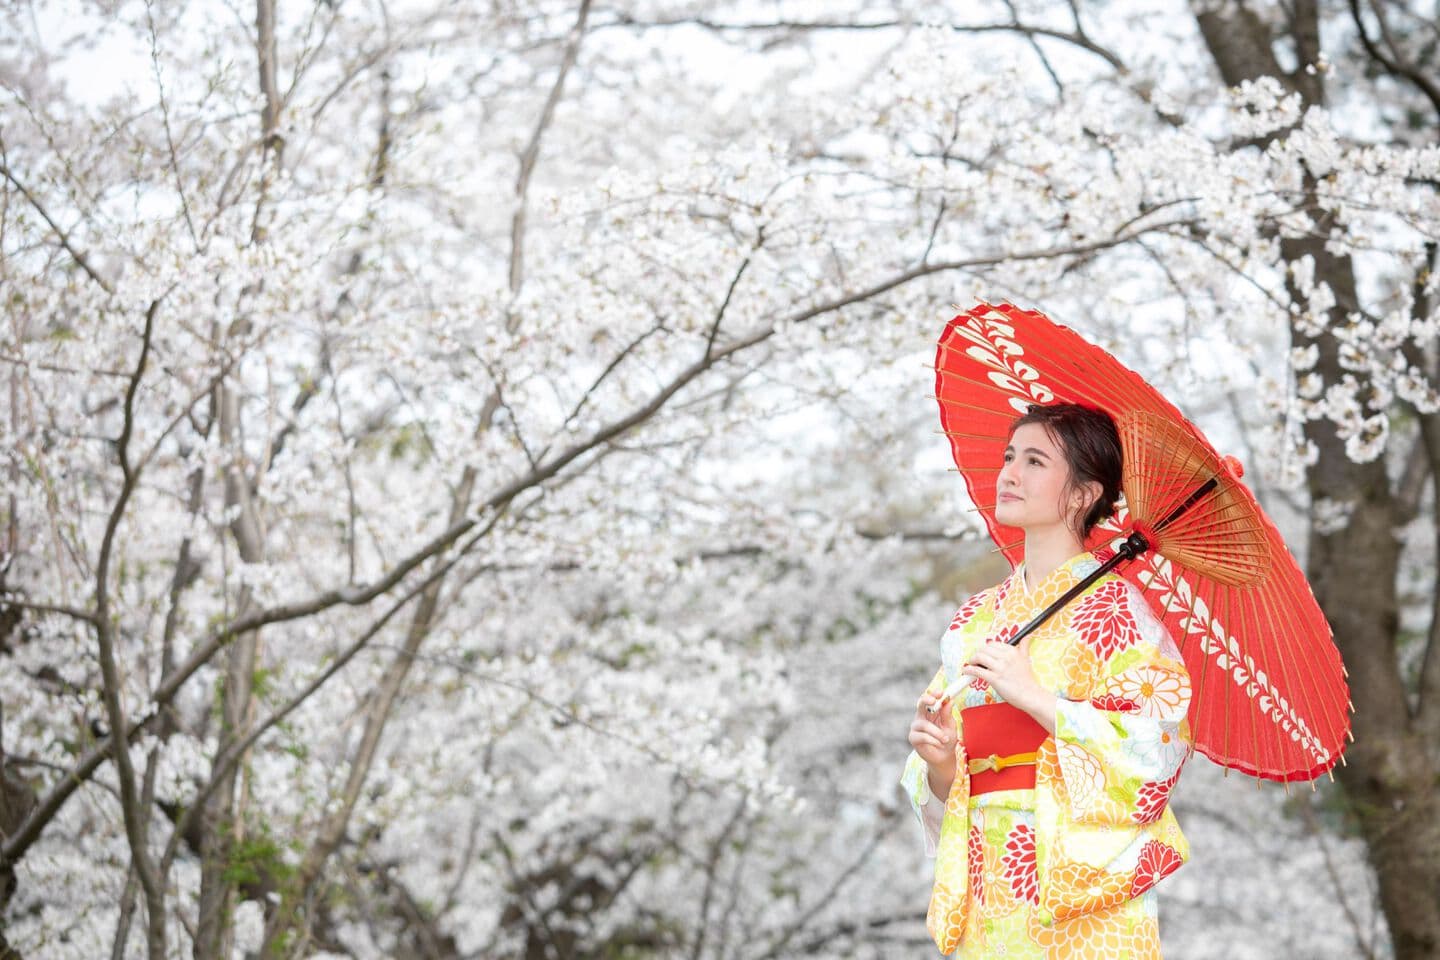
[[1046, 548]]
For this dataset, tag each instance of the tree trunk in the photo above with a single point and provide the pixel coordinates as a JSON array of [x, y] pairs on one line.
[[223, 820], [1389, 771]]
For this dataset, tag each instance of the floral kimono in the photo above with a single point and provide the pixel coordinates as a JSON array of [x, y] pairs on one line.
[[1063, 869]]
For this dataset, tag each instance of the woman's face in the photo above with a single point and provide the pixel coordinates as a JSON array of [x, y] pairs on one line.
[[1030, 490]]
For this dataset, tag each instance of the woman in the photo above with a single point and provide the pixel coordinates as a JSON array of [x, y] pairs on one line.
[[1043, 790]]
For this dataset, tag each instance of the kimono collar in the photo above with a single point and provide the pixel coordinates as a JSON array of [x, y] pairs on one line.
[[1073, 569]]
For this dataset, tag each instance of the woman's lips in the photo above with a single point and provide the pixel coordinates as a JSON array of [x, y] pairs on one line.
[[1006, 496]]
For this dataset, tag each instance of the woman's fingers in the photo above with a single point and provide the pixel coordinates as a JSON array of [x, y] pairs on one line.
[[992, 653], [927, 743], [938, 733], [991, 657], [938, 724], [931, 751], [931, 705], [925, 726], [919, 738]]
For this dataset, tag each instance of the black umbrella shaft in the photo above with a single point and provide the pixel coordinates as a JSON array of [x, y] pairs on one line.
[[1134, 545], [1190, 501]]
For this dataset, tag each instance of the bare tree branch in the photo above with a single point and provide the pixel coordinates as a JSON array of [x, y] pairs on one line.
[[712, 870], [1077, 38], [1394, 64], [136, 815], [165, 118], [13, 600], [729, 293], [532, 149], [76, 254]]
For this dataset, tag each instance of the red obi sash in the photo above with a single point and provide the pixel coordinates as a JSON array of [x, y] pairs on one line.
[[1001, 740]]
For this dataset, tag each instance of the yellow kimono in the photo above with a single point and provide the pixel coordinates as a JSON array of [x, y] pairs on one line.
[[1063, 870]]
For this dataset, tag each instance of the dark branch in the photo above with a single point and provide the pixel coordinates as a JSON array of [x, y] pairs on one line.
[[1395, 67]]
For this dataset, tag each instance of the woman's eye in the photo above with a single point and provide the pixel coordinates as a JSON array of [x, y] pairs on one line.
[[1035, 461]]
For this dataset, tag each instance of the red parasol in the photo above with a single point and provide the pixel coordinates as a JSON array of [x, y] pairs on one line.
[[1269, 691]]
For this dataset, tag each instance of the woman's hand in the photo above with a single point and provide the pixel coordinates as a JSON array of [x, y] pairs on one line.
[[933, 736], [1007, 669]]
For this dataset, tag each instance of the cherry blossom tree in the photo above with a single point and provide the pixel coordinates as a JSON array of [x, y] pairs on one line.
[[469, 484]]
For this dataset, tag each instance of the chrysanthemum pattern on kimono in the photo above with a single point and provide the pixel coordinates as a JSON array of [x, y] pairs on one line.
[[1066, 869]]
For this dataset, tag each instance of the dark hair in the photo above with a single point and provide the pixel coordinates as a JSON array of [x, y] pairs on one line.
[[1091, 445]]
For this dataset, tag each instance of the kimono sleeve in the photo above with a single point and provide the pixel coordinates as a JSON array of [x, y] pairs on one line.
[[929, 809], [1120, 751]]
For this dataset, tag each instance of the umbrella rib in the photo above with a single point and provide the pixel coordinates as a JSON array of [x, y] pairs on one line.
[[951, 401], [1084, 384], [1198, 474], [1312, 625], [985, 382], [1215, 605], [1312, 686], [1296, 696], [1294, 687], [1005, 547], [1140, 492], [1216, 524], [1237, 534], [1200, 696], [967, 436], [1275, 759], [1321, 628]]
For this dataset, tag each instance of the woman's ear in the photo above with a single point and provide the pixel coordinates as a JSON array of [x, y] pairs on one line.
[[1084, 499]]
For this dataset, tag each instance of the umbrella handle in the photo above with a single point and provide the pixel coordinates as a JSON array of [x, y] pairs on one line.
[[949, 693]]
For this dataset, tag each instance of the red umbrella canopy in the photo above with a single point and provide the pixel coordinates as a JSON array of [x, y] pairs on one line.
[[1269, 692]]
